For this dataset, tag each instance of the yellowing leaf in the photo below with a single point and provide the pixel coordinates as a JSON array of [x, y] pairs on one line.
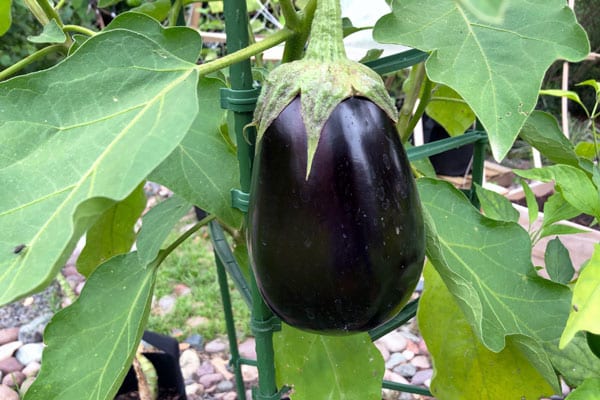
[[460, 357], [585, 315]]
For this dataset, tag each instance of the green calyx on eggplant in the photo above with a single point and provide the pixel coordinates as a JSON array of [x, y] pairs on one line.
[[335, 227]]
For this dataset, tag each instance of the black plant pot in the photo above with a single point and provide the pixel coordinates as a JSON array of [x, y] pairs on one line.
[[166, 363], [455, 162]]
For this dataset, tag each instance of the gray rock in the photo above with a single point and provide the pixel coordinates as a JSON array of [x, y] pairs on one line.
[[395, 359], [22, 312], [167, 304], [224, 386], [33, 331], [195, 341], [215, 346], [406, 370], [32, 369], [8, 350], [30, 352], [394, 341], [8, 335], [206, 368], [7, 393]]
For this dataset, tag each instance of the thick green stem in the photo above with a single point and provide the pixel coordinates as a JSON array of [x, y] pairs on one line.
[[50, 11], [174, 13], [294, 47], [420, 108], [327, 40], [288, 10], [78, 29], [416, 77], [38, 55], [164, 253], [245, 53]]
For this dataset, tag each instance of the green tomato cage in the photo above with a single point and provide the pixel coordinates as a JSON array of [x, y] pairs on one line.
[[240, 99]]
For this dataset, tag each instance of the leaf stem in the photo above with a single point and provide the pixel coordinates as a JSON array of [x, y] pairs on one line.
[[417, 75], [19, 65], [425, 97], [294, 47], [50, 11], [245, 53], [174, 14], [164, 253], [79, 29], [288, 10]]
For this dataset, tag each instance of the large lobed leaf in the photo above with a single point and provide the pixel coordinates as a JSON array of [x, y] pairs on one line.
[[461, 357], [328, 367], [81, 136], [496, 68], [91, 343]]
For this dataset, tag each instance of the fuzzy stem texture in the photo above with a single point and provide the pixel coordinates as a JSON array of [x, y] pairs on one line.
[[327, 40]]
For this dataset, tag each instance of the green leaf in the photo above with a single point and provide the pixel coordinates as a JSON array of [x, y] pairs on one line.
[[157, 9], [204, 168], [558, 262], [349, 28], [496, 206], [585, 313], [531, 201], [559, 229], [52, 33], [328, 367], [90, 344], [557, 209], [541, 131], [79, 137], [5, 16], [460, 357], [589, 390], [107, 3], [157, 224], [496, 69], [450, 111], [586, 150], [573, 96], [372, 54], [574, 185], [499, 295], [593, 83], [113, 232], [576, 362], [182, 42], [491, 11]]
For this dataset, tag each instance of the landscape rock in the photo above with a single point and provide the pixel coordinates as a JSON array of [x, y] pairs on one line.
[[394, 341], [166, 304], [190, 365], [8, 350], [249, 373], [206, 368], [182, 290], [33, 331], [395, 359], [394, 377], [210, 379], [195, 341], [421, 362], [9, 365], [30, 352], [230, 396], [215, 346], [14, 379], [408, 354], [193, 388], [7, 393], [224, 386], [247, 349], [406, 370], [8, 335], [31, 369], [421, 377]]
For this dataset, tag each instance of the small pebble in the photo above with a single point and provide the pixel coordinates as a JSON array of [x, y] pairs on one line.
[[206, 368], [195, 341], [167, 304], [33, 331], [395, 359], [406, 370], [9, 365], [394, 341], [192, 388], [249, 373], [7, 393], [224, 386], [210, 379], [14, 379], [408, 355], [247, 348], [421, 376], [215, 346], [394, 377], [230, 396], [190, 364], [8, 350], [31, 369], [421, 362], [30, 352], [8, 335], [182, 290]]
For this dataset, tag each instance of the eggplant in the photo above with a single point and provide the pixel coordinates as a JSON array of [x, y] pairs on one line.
[[339, 248]]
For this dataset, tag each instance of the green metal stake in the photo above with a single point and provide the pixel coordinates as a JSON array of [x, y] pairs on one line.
[[236, 28]]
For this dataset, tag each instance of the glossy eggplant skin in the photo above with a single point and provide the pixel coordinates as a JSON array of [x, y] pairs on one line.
[[342, 251]]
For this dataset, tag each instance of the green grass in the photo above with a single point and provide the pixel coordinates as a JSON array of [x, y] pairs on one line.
[[193, 265]]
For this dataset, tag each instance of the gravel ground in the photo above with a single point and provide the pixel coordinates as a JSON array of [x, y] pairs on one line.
[[204, 366]]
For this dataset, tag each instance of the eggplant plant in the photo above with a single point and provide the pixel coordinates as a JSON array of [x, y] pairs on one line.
[[133, 102]]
